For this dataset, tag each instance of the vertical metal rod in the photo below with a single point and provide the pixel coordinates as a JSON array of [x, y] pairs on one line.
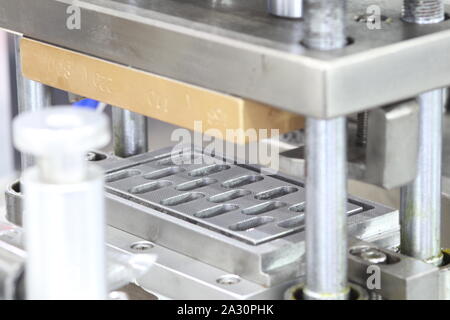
[[325, 24], [326, 207], [420, 211], [421, 200], [326, 182], [31, 96], [292, 9], [423, 11], [130, 133]]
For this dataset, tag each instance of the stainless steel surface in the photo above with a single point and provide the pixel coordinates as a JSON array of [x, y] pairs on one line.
[[423, 12], [130, 133], [392, 146], [32, 96], [401, 277], [177, 276], [286, 8], [266, 263], [193, 41], [260, 262], [229, 199], [421, 200], [325, 24], [326, 219]]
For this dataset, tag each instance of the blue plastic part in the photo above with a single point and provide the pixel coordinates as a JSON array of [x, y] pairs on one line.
[[86, 104]]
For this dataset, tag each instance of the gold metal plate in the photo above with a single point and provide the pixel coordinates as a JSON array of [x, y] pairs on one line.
[[157, 97]]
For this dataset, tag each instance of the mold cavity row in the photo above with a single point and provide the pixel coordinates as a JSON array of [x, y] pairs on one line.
[[154, 175], [182, 198], [242, 181], [275, 193], [149, 187], [263, 208], [216, 211], [250, 224], [164, 173], [229, 195], [294, 222], [178, 159], [195, 184], [121, 175], [206, 171]]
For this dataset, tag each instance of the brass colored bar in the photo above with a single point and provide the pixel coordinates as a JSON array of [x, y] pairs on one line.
[[154, 96]]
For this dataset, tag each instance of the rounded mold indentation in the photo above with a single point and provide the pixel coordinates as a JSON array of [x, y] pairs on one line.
[[181, 199], [263, 208], [163, 173], [195, 184], [242, 181], [149, 187], [122, 175], [251, 224], [206, 171], [216, 211], [229, 195], [275, 193]]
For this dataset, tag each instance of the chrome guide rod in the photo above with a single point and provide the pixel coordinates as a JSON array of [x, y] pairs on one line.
[[31, 96], [326, 198], [326, 182], [130, 133], [420, 211], [421, 200], [325, 24], [286, 8]]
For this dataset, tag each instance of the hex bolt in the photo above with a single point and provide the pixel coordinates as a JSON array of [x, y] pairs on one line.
[[292, 9], [64, 215], [423, 11]]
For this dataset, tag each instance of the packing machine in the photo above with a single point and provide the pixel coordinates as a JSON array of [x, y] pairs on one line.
[[339, 93]]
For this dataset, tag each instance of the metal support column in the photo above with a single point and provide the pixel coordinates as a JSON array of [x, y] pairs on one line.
[[326, 182], [130, 133], [420, 212], [421, 200]]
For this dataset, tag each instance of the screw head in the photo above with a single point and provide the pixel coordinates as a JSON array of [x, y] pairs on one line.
[[142, 246], [374, 256], [228, 279]]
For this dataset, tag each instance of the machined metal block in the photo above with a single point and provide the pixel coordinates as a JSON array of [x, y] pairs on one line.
[[224, 214], [228, 215], [400, 277], [236, 47], [392, 146]]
